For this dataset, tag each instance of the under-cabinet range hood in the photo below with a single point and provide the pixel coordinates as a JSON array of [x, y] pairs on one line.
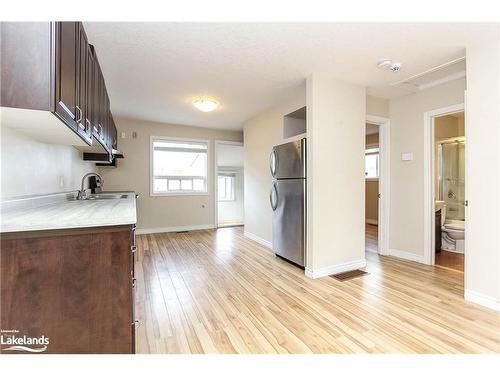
[[103, 159]]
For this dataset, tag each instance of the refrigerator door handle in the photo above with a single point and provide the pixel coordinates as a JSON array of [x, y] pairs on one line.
[[273, 193], [273, 162]]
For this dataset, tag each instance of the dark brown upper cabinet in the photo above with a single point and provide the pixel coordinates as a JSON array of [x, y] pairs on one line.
[[71, 77], [66, 67], [84, 127], [49, 68]]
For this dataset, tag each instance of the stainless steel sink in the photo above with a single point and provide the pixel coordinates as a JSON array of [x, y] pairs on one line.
[[107, 196], [103, 196]]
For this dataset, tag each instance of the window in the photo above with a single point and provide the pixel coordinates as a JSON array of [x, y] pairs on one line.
[[178, 166], [372, 163], [225, 187]]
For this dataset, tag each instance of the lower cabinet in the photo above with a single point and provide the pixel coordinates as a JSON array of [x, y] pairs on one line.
[[74, 288]]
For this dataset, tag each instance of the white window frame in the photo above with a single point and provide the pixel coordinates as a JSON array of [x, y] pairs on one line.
[[378, 161], [233, 182], [154, 138]]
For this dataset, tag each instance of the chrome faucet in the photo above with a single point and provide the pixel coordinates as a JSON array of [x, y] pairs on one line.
[[82, 192]]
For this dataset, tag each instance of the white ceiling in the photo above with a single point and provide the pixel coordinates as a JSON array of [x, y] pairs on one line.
[[153, 70], [229, 156]]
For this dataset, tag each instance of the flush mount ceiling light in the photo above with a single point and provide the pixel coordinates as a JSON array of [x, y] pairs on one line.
[[389, 64], [206, 104]]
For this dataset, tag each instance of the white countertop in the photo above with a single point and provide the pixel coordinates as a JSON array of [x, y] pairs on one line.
[[59, 211]]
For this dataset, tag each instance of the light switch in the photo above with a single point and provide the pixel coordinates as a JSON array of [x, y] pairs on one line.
[[407, 156]]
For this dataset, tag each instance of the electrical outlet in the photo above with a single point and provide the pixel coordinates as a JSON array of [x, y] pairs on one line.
[[123, 135]]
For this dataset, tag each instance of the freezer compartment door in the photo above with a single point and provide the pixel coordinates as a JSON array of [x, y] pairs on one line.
[[289, 160], [288, 203]]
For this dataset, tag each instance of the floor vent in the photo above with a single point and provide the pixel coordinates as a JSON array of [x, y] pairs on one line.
[[344, 276]]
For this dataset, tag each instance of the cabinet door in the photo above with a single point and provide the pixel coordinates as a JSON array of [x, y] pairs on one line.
[[96, 97], [114, 134], [91, 91], [84, 128], [109, 130], [74, 288], [66, 73], [102, 108], [98, 126]]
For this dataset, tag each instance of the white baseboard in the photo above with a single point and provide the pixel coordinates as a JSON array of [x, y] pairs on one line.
[[173, 229], [406, 255], [482, 299], [223, 224], [258, 239], [371, 221], [335, 269]]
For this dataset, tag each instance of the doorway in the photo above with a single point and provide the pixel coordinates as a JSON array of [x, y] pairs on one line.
[[372, 174], [229, 194], [445, 197], [377, 184]]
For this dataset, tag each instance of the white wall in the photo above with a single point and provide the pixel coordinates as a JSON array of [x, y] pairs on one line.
[[482, 254], [406, 228], [377, 106], [261, 133], [162, 212], [336, 113], [30, 167], [232, 212]]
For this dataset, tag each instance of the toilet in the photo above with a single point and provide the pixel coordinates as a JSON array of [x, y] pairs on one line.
[[452, 231]]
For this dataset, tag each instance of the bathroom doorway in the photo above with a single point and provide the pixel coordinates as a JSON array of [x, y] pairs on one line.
[[448, 153]]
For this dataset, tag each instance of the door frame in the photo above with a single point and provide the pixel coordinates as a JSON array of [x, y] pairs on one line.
[[429, 177], [215, 179], [383, 181]]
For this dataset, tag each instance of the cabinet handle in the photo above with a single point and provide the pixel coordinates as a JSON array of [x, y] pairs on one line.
[[87, 125], [134, 280], [135, 323], [133, 248], [80, 112]]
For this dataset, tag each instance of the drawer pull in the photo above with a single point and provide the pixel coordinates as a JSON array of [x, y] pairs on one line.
[[133, 248]]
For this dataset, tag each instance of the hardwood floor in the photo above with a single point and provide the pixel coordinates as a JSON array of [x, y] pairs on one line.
[[449, 259], [371, 238], [215, 291]]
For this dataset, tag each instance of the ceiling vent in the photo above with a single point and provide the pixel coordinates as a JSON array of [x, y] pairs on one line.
[[438, 75]]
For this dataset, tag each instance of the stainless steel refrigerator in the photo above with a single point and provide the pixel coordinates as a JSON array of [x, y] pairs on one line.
[[288, 200]]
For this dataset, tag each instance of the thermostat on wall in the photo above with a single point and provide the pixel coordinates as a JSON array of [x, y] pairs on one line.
[[407, 156]]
